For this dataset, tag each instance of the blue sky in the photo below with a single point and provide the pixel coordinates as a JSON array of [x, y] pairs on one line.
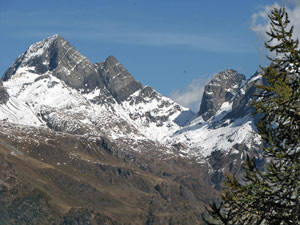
[[172, 45]]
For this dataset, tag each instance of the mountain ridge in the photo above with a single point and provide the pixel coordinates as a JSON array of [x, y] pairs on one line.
[[177, 156], [109, 86]]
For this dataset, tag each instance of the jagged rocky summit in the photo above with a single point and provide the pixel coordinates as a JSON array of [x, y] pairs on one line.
[[66, 92], [60, 89], [56, 56], [91, 128], [222, 88]]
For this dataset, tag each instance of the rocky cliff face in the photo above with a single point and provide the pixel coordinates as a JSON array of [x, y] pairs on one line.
[[222, 88], [242, 103], [117, 79], [3, 94], [56, 55]]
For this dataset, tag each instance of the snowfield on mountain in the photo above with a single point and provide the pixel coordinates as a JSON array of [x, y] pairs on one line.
[[53, 85]]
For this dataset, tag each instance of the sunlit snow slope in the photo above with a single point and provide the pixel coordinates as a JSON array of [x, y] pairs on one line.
[[52, 85], [92, 103]]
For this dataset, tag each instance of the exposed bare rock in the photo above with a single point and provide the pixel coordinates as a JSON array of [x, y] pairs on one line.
[[3, 94], [222, 88]]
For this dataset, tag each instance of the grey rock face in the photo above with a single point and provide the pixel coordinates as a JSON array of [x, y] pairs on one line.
[[117, 79], [56, 55], [242, 103], [4, 97], [222, 88]]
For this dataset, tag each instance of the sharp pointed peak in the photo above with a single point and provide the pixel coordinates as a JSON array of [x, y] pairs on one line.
[[39, 48], [229, 70], [48, 55], [45, 43], [228, 74], [111, 59], [54, 36], [50, 39]]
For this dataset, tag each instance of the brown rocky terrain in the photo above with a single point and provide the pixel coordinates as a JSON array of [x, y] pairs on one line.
[[56, 178]]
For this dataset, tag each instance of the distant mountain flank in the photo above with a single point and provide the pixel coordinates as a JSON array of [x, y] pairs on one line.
[[122, 139], [3, 94]]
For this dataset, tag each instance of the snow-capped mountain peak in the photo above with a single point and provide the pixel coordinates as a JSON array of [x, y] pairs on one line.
[[40, 47], [57, 87], [55, 55], [66, 92], [228, 124]]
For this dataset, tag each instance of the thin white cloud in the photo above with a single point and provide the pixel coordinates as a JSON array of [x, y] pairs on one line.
[[197, 41], [114, 31], [295, 2], [260, 22], [145, 38], [191, 95]]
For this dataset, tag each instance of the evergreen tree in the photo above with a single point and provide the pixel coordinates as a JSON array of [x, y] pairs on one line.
[[271, 196]]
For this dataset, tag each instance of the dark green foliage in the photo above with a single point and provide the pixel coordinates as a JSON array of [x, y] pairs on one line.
[[271, 196]]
